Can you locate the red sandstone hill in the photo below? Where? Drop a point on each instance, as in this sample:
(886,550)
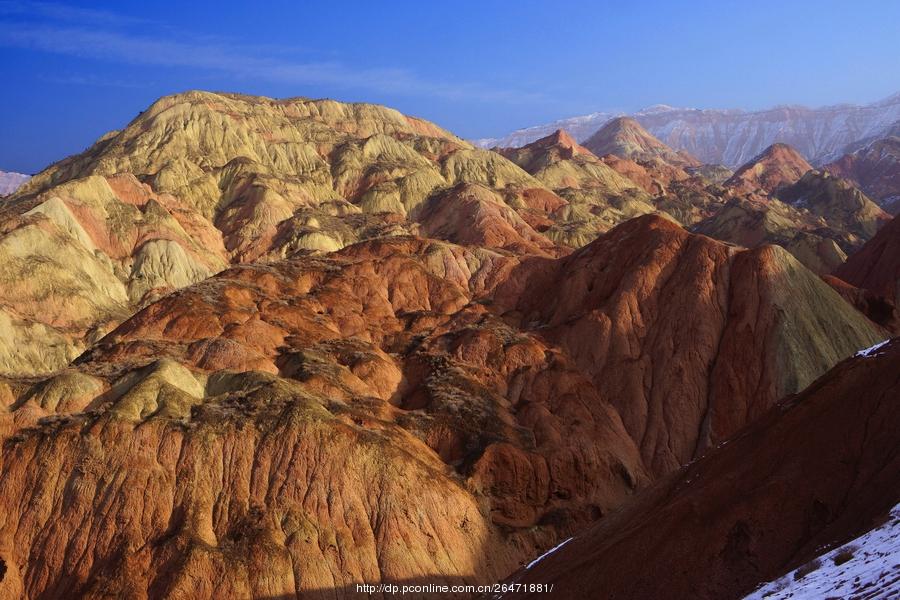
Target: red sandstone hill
(626,138)
(777,166)
(817,470)
(690,339)
(557,146)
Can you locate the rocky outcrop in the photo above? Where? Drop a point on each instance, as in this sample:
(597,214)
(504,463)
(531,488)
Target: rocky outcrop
(79,258)
(597,195)
(825,468)
(840,206)
(203,180)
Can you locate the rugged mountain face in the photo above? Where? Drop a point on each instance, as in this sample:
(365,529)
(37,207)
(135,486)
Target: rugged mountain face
(623,306)
(733,137)
(875,169)
(876,266)
(286,416)
(776,167)
(825,468)
(201,180)
(626,138)
(10,182)
(856,568)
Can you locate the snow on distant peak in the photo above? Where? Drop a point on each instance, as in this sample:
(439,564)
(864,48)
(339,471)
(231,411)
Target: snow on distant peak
(659,108)
(10,182)
(872,350)
(868,567)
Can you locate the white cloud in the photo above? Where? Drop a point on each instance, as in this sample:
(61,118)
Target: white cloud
(100,35)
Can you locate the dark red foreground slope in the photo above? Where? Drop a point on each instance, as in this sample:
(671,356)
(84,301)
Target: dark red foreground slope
(818,469)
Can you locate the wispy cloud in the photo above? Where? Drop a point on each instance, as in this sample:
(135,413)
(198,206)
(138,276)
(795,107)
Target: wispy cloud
(99,35)
(92,81)
(63,12)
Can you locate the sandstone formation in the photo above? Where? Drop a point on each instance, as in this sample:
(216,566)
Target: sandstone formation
(623,306)
(78,258)
(598,195)
(779,199)
(825,468)
(275,348)
(840,206)
(306,425)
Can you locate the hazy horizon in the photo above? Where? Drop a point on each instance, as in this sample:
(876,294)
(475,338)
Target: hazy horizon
(73,73)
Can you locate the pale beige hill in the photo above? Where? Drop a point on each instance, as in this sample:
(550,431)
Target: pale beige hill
(80,257)
(248,164)
(200,180)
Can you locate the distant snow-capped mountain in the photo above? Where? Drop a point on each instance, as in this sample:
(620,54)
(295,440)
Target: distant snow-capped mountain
(10,182)
(733,137)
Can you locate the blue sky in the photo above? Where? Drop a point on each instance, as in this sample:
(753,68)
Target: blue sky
(72,71)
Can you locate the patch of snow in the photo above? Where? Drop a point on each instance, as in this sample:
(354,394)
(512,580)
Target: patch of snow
(872,350)
(868,567)
(548,553)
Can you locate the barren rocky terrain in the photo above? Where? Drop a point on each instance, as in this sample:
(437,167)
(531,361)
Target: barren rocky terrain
(260,348)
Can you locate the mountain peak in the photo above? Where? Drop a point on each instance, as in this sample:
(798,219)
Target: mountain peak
(626,138)
(560,139)
(776,167)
